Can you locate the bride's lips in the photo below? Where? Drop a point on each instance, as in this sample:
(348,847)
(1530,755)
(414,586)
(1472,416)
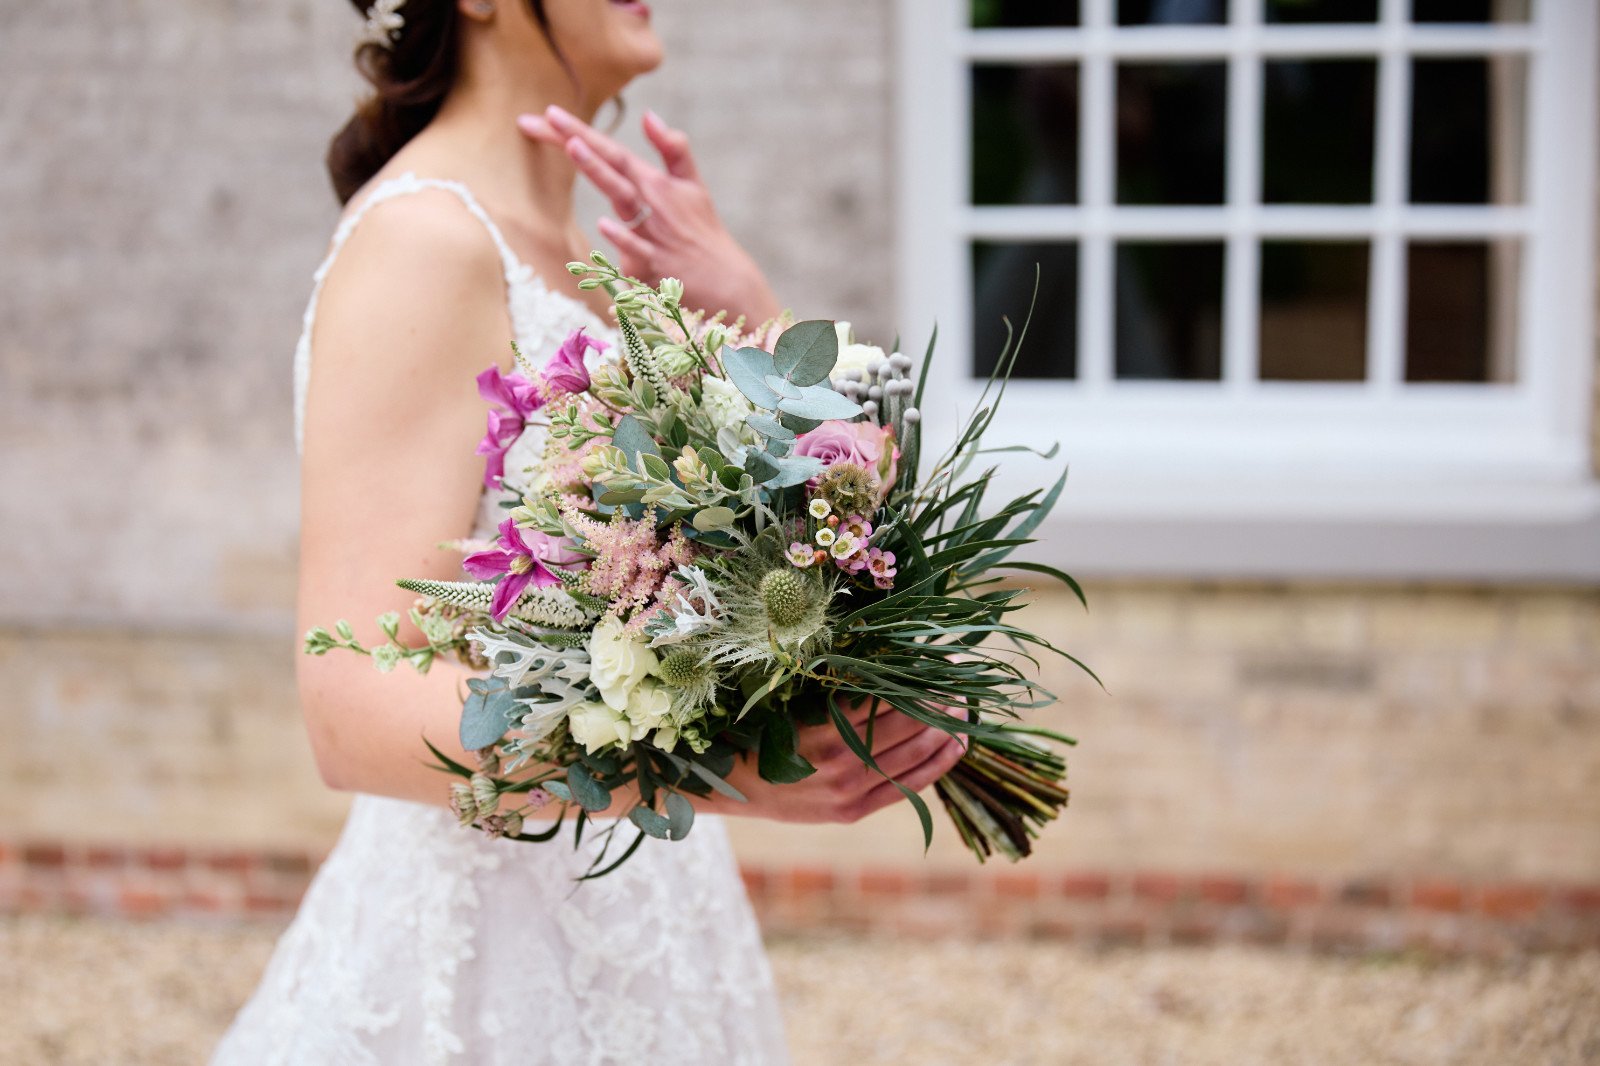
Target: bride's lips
(634,7)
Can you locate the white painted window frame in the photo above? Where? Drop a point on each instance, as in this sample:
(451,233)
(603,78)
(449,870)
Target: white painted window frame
(1249,478)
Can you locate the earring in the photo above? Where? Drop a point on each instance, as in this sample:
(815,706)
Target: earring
(482,8)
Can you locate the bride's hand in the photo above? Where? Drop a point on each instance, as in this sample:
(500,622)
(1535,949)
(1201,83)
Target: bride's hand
(666,224)
(844,789)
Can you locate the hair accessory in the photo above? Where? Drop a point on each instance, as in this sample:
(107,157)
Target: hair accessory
(384,23)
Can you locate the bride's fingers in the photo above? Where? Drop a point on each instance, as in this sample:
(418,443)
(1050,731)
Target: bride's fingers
(911,752)
(627,242)
(673,146)
(619,158)
(623,194)
(919,777)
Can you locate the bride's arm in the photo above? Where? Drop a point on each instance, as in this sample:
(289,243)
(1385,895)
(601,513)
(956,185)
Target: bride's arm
(412,310)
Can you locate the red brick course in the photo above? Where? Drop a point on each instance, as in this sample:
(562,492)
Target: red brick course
(1432,915)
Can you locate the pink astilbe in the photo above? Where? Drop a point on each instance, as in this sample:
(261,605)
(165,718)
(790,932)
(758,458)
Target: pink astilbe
(631,562)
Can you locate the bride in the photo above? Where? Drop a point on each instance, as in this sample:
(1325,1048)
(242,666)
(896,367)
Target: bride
(421,942)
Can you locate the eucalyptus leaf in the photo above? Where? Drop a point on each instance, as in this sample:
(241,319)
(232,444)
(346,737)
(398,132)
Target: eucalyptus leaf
(807,352)
(651,823)
(760,466)
(559,790)
(748,368)
(680,813)
(796,424)
(784,389)
(820,403)
(768,426)
(590,794)
(633,440)
(794,470)
(485,718)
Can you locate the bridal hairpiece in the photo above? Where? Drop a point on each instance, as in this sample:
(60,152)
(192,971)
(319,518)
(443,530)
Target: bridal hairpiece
(384,23)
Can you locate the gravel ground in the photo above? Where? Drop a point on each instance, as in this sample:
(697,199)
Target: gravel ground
(106,992)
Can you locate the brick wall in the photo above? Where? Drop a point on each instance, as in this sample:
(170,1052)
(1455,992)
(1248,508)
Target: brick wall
(1313,765)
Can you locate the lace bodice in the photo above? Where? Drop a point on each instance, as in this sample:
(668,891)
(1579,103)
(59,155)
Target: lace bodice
(421,942)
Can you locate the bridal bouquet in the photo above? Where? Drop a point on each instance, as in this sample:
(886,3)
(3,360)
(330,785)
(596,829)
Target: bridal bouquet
(710,535)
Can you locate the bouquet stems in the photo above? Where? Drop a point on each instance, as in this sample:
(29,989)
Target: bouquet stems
(1003,791)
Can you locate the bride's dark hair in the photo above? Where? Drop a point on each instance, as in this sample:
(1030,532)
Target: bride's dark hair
(409,81)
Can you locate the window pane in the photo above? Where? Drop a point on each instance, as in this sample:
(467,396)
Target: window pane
(1171,140)
(1470,10)
(1322,10)
(1319,131)
(1169,311)
(1025,134)
(1461,311)
(1313,311)
(1171,12)
(1467,130)
(1002,285)
(989,13)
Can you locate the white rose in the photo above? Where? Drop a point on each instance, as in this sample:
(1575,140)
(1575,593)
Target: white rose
(723,401)
(597,727)
(853,356)
(618,661)
(648,708)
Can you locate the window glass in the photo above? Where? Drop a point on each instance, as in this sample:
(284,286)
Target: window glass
(1461,311)
(1313,310)
(1002,286)
(1025,134)
(1171,12)
(996,13)
(1171,132)
(1169,310)
(1471,10)
(1467,130)
(1321,10)
(1318,130)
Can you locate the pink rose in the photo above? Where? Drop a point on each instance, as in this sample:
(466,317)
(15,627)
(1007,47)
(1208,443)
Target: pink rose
(862,443)
(565,371)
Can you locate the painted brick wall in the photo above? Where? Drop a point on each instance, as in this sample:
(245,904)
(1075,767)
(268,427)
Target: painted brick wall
(164,206)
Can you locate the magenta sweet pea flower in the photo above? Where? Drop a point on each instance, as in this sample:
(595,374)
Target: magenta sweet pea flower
(564,372)
(512,398)
(525,557)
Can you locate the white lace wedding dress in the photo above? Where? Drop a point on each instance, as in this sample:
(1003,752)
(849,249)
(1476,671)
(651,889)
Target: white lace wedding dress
(422,942)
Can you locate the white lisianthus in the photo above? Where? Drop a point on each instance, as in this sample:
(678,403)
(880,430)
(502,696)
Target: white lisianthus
(598,727)
(666,738)
(618,661)
(852,356)
(648,708)
(723,401)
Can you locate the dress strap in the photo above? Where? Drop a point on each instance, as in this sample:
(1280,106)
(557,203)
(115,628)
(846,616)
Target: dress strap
(401,185)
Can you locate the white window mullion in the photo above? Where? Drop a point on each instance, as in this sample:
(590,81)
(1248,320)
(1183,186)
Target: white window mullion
(1097,159)
(1386,275)
(1241,293)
